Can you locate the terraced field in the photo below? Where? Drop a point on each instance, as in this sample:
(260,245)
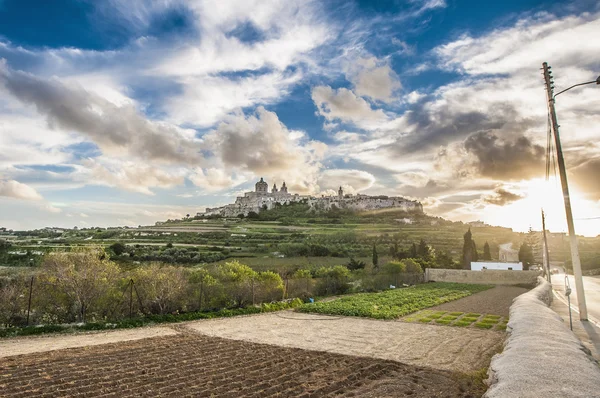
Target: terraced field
(189,364)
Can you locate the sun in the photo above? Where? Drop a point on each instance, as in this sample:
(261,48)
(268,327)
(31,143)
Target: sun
(540,194)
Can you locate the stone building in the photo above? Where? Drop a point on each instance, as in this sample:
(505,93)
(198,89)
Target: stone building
(261,199)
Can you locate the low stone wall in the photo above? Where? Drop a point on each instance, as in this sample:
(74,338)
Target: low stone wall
(492,277)
(541,357)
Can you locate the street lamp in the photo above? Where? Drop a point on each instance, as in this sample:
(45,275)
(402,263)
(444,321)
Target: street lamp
(565,188)
(597,81)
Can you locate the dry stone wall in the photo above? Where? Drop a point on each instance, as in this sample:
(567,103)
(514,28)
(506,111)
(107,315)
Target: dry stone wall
(491,277)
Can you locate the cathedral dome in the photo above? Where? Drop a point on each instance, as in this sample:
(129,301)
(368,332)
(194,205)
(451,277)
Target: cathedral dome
(261,186)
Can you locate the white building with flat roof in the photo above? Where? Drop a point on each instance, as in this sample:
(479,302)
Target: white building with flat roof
(483,265)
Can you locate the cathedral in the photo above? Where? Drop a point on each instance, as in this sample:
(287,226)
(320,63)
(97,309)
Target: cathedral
(261,199)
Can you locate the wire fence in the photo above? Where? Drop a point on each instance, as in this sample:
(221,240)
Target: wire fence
(36,300)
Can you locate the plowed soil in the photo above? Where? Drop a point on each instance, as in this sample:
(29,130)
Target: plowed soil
(495,301)
(194,365)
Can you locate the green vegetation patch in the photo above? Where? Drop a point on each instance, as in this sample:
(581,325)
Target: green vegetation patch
(462,324)
(395,303)
(149,320)
(484,325)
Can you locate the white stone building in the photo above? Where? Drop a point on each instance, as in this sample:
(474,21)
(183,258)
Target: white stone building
(261,199)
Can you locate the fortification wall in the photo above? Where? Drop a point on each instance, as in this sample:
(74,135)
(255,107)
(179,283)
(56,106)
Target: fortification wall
(491,277)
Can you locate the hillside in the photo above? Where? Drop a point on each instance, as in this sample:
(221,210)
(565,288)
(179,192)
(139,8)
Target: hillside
(286,236)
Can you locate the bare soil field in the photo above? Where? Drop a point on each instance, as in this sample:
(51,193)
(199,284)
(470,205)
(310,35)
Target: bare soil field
(192,365)
(495,301)
(34,344)
(439,347)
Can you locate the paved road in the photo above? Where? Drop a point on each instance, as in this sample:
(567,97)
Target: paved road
(591,286)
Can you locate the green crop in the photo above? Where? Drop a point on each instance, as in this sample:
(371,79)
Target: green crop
(395,303)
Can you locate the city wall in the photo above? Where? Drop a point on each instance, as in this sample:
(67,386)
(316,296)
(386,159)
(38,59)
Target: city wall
(492,277)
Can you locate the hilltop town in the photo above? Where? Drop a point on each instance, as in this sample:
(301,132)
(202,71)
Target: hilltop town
(262,199)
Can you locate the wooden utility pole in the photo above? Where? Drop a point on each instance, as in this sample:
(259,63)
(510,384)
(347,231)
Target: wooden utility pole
(546,253)
(565,188)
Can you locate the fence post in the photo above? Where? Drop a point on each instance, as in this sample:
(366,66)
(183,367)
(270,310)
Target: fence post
(285,289)
(29,303)
(201,292)
(130,298)
(253,291)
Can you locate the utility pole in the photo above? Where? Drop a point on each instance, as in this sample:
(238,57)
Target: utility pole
(567,199)
(546,253)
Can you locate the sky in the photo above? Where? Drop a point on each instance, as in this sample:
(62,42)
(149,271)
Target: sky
(127,112)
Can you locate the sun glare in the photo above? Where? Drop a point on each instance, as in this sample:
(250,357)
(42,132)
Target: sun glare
(539,193)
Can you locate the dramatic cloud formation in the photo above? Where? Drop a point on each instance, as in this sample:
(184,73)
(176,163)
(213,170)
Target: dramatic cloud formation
(505,160)
(501,197)
(190,101)
(118,130)
(262,145)
(587,178)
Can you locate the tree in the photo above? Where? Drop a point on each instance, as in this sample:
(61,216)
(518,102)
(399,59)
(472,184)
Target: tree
(269,287)
(474,252)
(423,249)
(487,256)
(526,255)
(204,281)
(444,260)
(411,266)
(394,250)
(238,281)
(412,253)
(86,277)
(467,252)
(353,265)
(333,280)
(162,288)
(169,245)
(375,258)
(118,248)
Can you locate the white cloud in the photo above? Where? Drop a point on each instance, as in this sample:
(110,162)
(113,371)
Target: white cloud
(344,105)
(118,130)
(260,144)
(130,176)
(351,181)
(526,45)
(17,190)
(205,100)
(373,78)
(215,179)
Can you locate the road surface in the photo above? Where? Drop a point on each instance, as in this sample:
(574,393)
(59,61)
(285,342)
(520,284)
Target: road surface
(591,285)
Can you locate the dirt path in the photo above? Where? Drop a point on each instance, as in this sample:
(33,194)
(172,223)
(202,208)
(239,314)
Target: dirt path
(193,365)
(496,301)
(439,347)
(33,344)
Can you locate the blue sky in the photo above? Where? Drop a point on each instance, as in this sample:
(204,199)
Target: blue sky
(128,112)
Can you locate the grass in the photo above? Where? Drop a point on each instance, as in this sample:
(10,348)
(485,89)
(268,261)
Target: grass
(395,303)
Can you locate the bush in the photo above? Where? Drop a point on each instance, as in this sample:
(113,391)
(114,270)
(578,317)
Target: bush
(334,280)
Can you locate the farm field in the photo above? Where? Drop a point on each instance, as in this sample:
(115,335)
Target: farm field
(438,347)
(392,304)
(189,364)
